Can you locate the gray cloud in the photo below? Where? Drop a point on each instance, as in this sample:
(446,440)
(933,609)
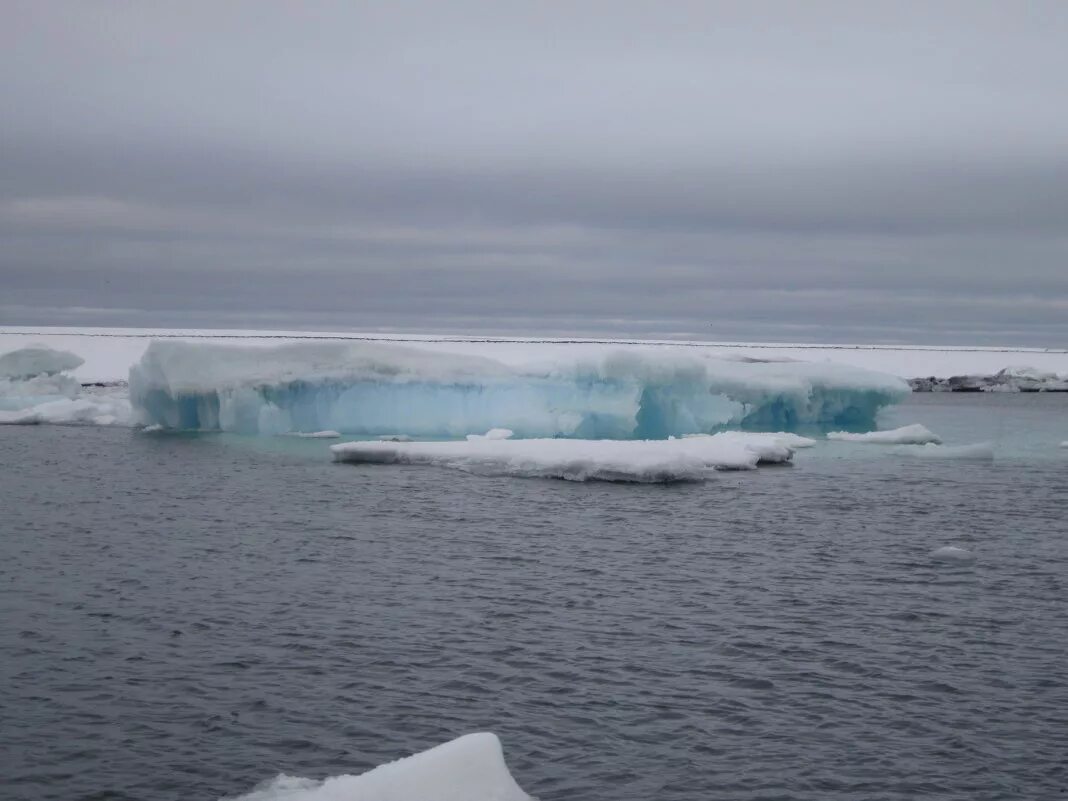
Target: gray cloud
(830,171)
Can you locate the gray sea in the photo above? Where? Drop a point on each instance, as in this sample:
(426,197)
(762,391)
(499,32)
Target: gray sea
(186,616)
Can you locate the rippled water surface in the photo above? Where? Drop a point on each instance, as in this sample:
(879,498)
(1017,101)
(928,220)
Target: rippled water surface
(184,617)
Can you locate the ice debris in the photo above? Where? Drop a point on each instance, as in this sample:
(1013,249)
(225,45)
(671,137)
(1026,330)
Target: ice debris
(951,553)
(914,434)
(469,768)
(980,451)
(369,389)
(642,461)
(328,434)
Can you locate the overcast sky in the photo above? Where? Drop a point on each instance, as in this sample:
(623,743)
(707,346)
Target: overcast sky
(795,171)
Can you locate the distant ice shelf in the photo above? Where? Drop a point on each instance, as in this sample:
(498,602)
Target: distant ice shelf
(370,389)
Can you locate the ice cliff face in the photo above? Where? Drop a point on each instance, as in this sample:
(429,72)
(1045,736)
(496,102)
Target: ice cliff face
(370,388)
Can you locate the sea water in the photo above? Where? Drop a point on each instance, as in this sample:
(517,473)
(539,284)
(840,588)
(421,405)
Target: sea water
(186,616)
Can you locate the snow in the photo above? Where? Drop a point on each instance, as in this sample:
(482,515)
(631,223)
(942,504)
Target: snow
(914,434)
(951,553)
(980,451)
(642,461)
(493,433)
(370,388)
(469,768)
(100,411)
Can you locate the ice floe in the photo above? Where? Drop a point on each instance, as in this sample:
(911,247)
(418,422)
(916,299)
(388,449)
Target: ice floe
(914,434)
(979,451)
(469,768)
(644,461)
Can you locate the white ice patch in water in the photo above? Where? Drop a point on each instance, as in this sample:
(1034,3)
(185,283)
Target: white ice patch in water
(980,451)
(914,434)
(469,768)
(951,553)
(493,433)
(369,389)
(643,461)
(153,429)
(315,434)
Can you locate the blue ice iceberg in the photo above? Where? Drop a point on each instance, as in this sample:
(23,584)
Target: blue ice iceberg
(367,388)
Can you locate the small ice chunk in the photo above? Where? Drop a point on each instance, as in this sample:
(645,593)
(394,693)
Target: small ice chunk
(951,553)
(315,434)
(469,768)
(980,451)
(152,429)
(493,433)
(914,434)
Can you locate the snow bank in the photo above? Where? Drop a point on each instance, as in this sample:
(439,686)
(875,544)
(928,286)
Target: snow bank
(469,768)
(980,451)
(951,553)
(642,461)
(914,434)
(369,388)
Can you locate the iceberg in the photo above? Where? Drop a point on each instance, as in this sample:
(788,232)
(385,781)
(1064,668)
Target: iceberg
(370,389)
(469,768)
(639,461)
(35,388)
(914,434)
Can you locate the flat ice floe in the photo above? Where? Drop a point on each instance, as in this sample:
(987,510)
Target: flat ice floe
(469,768)
(914,434)
(642,461)
(369,389)
(980,451)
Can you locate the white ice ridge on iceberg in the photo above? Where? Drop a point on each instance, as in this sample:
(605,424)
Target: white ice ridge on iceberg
(369,389)
(914,434)
(691,458)
(34,388)
(469,768)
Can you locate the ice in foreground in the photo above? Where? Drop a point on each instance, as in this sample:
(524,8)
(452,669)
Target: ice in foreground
(644,461)
(368,388)
(914,434)
(951,553)
(469,768)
